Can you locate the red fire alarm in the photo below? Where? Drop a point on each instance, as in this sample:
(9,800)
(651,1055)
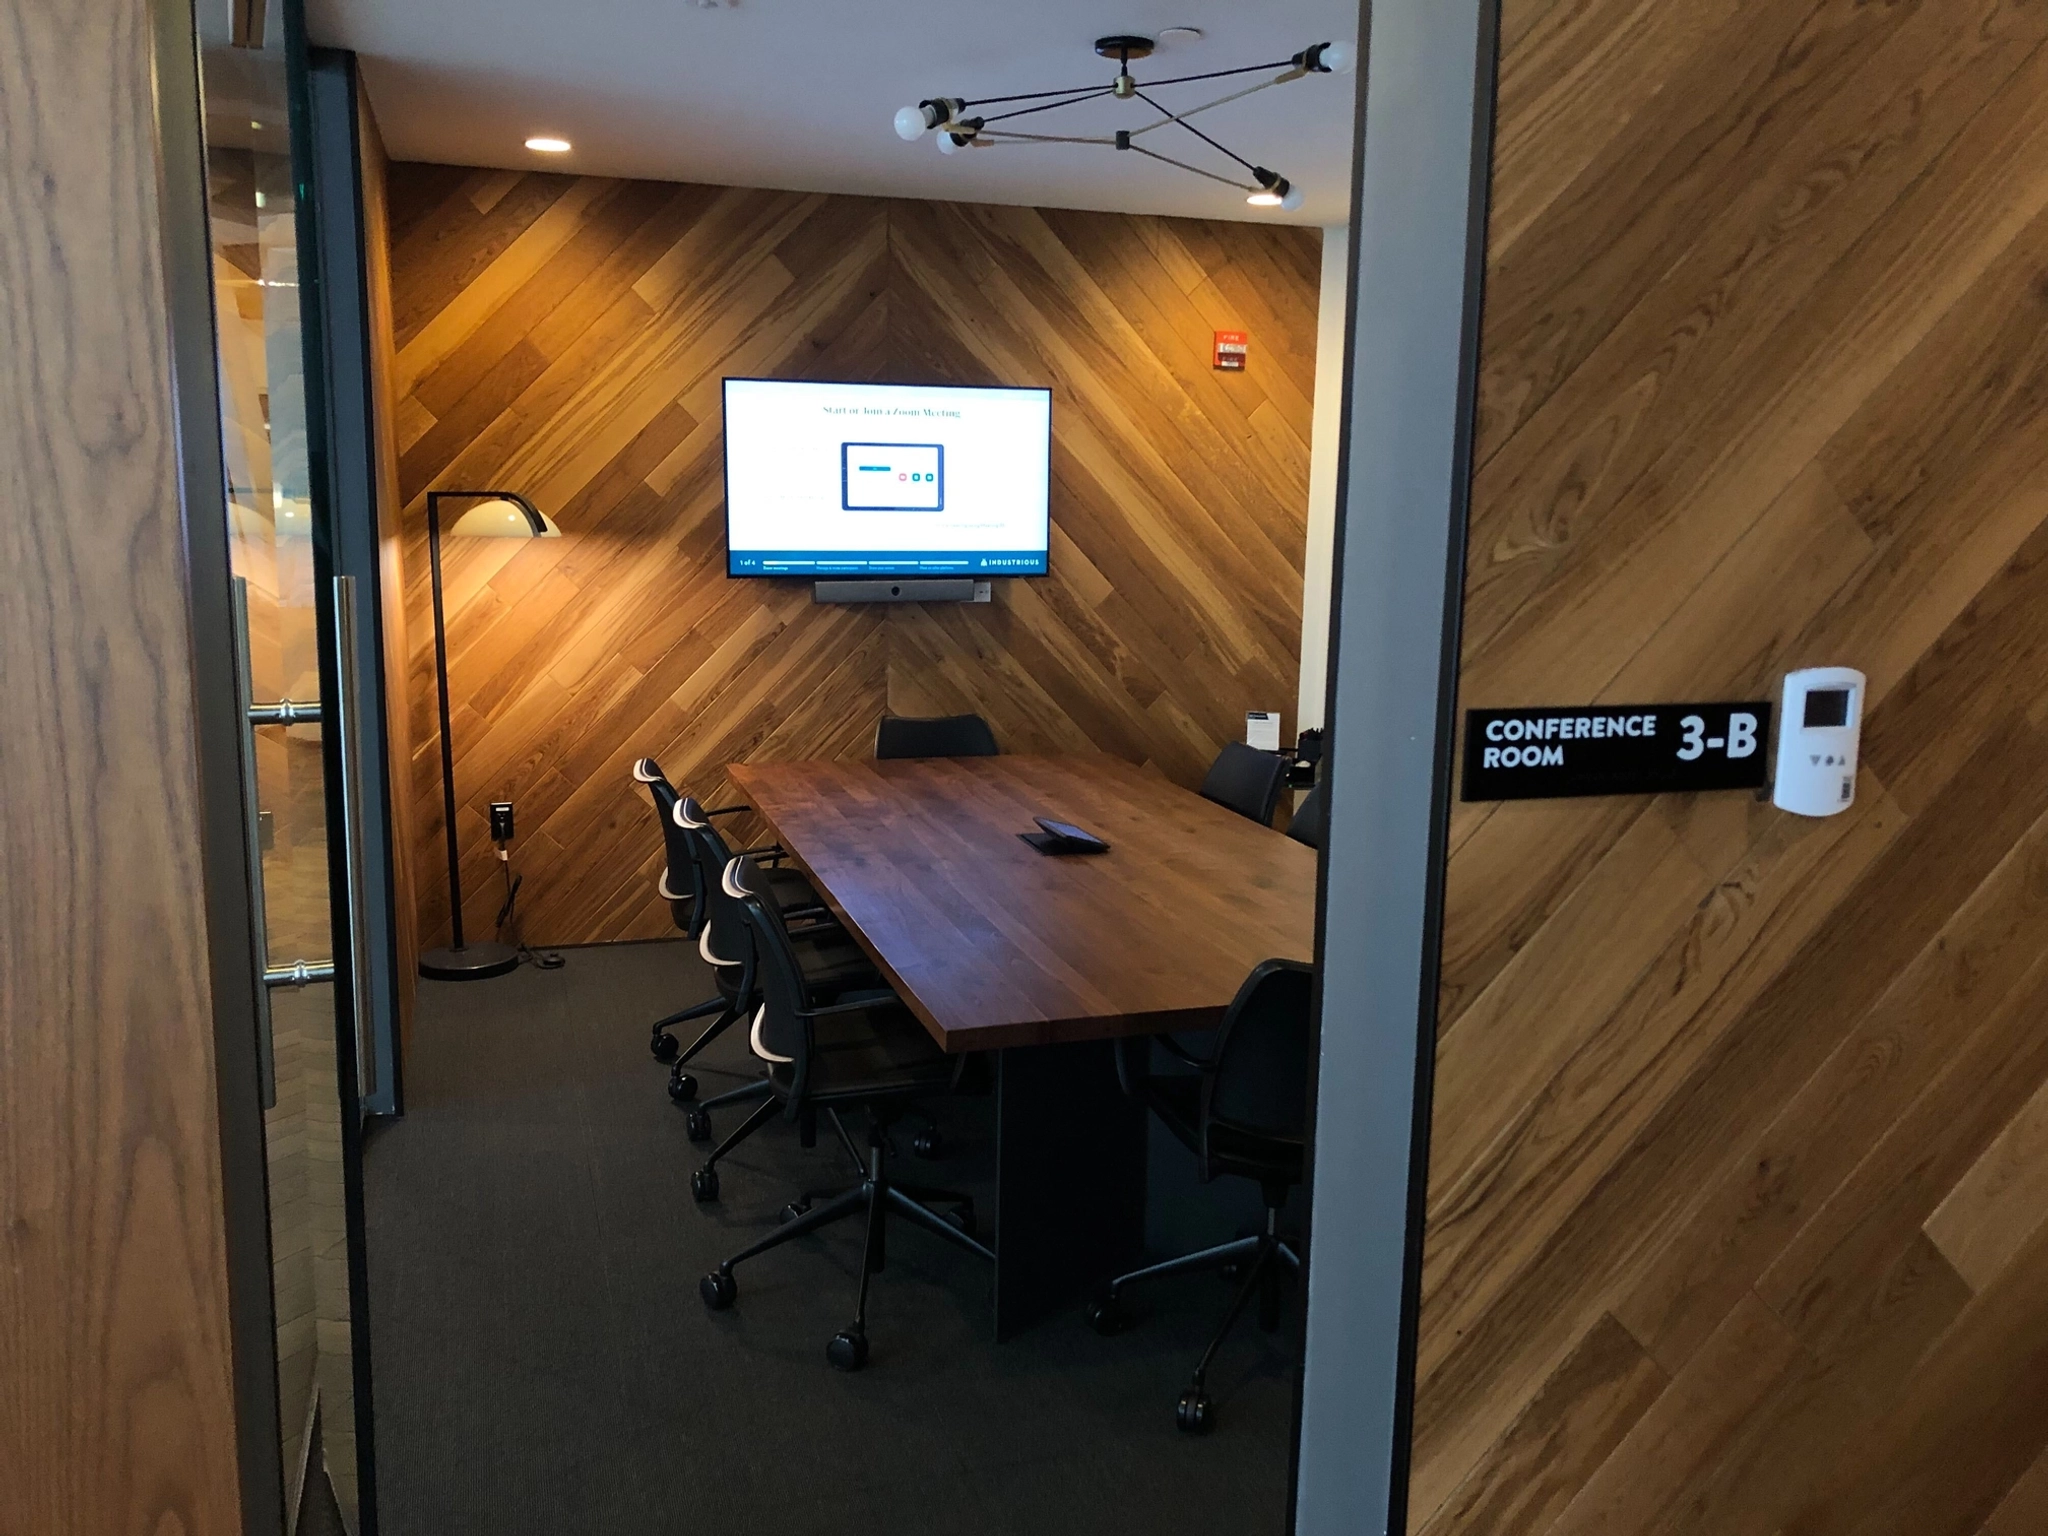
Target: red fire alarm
(1231,347)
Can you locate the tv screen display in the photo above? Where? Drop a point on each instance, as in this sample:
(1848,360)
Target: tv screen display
(850,480)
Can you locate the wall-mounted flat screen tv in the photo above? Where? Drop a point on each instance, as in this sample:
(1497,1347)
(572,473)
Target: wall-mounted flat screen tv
(850,480)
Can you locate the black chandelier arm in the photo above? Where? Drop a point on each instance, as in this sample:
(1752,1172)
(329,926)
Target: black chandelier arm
(1081,92)
(1181,117)
(1223,74)
(1047,106)
(1075,91)
(1183,165)
(1191,128)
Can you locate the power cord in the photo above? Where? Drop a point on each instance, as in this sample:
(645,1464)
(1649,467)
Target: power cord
(508,917)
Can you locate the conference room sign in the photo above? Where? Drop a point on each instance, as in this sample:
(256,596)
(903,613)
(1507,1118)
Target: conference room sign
(1614,749)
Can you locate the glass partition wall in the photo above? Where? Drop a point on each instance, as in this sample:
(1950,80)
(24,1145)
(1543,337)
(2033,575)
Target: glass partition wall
(286,618)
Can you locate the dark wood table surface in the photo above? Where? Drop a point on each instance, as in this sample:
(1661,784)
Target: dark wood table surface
(994,944)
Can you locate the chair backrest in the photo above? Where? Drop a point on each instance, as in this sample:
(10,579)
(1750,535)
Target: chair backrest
(1258,1082)
(780,1034)
(1307,824)
(723,938)
(681,883)
(1246,780)
(935,736)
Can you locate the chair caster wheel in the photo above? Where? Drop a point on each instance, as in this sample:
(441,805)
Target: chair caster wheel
(1196,1414)
(665,1047)
(681,1086)
(697,1124)
(791,1211)
(704,1185)
(718,1289)
(848,1350)
(1108,1317)
(961,1217)
(928,1144)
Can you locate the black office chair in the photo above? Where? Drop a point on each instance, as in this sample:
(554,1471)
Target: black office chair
(1246,780)
(1243,1111)
(858,1049)
(725,942)
(1306,826)
(679,885)
(936,736)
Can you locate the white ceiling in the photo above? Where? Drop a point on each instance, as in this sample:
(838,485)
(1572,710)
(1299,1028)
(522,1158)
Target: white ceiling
(799,93)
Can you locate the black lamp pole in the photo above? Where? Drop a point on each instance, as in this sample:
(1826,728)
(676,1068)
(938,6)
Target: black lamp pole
(460,961)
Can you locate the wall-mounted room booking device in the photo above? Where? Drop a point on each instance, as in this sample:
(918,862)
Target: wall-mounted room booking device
(1818,736)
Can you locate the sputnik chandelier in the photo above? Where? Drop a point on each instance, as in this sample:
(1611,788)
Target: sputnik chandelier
(956,130)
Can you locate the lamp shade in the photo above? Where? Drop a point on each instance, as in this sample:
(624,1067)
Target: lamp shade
(503,518)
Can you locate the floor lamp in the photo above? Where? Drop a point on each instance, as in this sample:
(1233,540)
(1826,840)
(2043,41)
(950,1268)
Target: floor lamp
(496,515)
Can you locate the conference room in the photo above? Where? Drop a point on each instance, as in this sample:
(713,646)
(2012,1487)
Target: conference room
(800,768)
(842,610)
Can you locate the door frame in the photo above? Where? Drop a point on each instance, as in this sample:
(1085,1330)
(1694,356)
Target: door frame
(1421,181)
(224,831)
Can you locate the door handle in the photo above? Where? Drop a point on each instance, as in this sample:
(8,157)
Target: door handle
(348,728)
(259,925)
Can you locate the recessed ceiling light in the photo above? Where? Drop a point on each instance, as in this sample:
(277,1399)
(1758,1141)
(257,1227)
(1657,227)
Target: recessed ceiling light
(548,146)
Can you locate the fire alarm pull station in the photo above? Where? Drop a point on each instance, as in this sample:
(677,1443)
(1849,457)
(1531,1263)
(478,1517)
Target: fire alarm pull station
(1820,730)
(1232,347)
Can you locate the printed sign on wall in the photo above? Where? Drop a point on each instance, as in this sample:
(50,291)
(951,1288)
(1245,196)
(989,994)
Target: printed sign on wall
(1614,749)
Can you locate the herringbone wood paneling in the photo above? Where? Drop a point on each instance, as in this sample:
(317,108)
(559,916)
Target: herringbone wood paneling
(566,338)
(1741,1128)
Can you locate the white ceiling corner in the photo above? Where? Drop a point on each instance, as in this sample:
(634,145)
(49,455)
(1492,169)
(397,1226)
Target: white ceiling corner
(799,94)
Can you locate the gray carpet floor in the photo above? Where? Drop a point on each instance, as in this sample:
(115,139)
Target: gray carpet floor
(543,1363)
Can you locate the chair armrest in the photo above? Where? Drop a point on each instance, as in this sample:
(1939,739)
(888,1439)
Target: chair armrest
(729,810)
(765,851)
(865,1005)
(815,909)
(1174,1048)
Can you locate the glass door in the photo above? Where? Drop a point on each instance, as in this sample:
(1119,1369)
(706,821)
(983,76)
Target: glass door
(293,623)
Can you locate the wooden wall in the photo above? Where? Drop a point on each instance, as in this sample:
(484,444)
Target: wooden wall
(1741,1137)
(566,338)
(116,1389)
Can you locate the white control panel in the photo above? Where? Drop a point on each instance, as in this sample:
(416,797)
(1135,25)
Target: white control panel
(1820,728)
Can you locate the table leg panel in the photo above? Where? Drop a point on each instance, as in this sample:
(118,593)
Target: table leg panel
(1070,1179)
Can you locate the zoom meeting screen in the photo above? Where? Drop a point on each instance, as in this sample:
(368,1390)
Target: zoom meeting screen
(886,479)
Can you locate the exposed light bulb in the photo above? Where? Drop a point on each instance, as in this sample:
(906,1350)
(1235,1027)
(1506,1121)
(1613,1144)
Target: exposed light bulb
(911,122)
(1272,190)
(1293,198)
(1340,58)
(957,132)
(548,146)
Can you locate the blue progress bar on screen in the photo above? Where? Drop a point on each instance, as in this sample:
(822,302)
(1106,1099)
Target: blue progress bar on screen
(885,562)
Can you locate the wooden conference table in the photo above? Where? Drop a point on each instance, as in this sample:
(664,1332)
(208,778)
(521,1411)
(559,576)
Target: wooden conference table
(1046,960)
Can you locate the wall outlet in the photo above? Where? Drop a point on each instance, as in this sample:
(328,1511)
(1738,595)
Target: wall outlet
(501,821)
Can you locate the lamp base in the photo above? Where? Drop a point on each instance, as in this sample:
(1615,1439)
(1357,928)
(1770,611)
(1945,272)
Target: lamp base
(472,962)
